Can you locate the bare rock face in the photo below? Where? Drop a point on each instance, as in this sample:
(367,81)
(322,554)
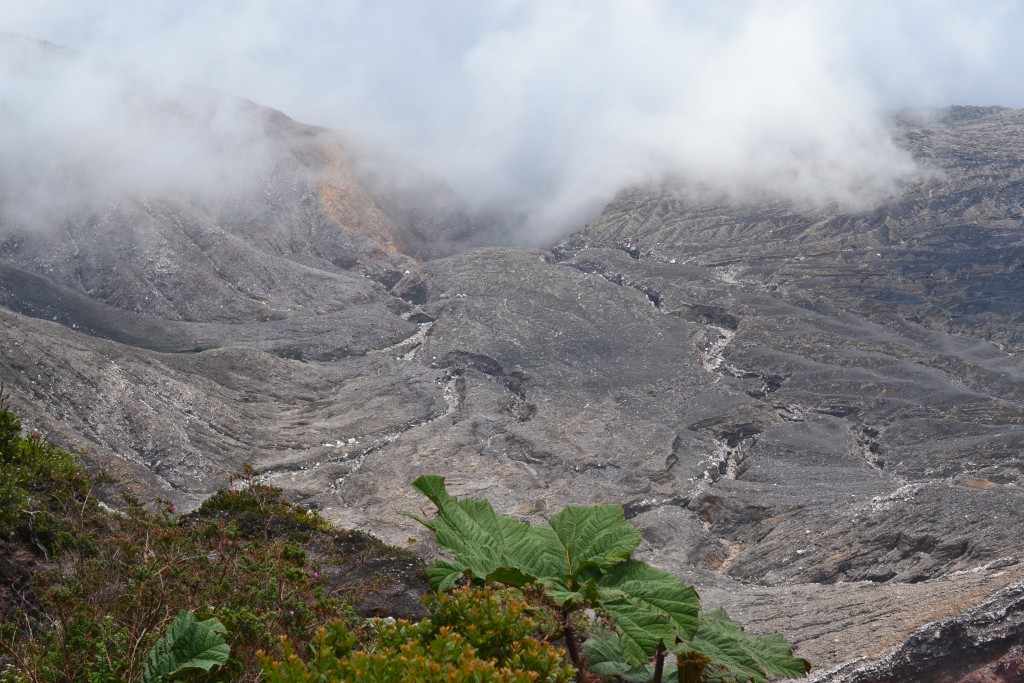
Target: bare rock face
(814,415)
(1007,669)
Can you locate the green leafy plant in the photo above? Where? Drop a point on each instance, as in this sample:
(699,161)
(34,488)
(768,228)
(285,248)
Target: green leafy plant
(189,644)
(720,648)
(582,558)
(116,579)
(472,636)
(30,469)
(10,425)
(92,589)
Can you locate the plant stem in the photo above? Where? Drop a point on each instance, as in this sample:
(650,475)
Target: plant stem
(659,663)
(25,668)
(572,646)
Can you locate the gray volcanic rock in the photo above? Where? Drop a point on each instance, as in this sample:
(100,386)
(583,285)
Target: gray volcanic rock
(302,238)
(180,423)
(816,415)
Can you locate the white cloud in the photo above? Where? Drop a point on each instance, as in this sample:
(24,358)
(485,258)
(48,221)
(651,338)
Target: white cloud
(75,133)
(550,106)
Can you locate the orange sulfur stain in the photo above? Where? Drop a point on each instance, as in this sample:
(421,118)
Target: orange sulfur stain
(345,201)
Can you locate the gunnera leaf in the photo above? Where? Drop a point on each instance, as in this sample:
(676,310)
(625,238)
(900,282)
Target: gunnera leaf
(482,541)
(188,644)
(648,606)
(604,654)
(592,537)
(491,546)
(746,657)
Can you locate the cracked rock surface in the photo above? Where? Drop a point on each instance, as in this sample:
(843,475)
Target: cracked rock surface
(814,415)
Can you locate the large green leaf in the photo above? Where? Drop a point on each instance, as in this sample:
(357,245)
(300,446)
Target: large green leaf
(188,644)
(580,558)
(604,654)
(747,657)
(443,574)
(592,537)
(491,546)
(482,541)
(649,606)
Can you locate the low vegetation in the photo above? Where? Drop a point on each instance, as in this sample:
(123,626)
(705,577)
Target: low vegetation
(88,592)
(472,636)
(251,587)
(582,559)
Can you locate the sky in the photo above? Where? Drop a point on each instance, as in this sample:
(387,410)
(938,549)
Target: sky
(548,107)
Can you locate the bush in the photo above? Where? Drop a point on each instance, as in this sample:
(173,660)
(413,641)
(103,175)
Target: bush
(472,636)
(37,480)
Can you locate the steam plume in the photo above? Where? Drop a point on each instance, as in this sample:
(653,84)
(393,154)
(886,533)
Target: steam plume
(545,108)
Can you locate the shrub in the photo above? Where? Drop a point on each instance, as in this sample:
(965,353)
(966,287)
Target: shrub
(37,480)
(472,636)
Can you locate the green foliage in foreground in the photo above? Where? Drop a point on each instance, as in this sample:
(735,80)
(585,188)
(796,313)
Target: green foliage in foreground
(472,636)
(730,654)
(188,644)
(139,595)
(582,559)
(29,469)
(94,590)
(96,593)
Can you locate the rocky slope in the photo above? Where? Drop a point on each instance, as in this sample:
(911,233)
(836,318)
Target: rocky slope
(814,415)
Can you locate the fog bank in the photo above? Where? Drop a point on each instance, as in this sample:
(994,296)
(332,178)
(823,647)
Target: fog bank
(544,108)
